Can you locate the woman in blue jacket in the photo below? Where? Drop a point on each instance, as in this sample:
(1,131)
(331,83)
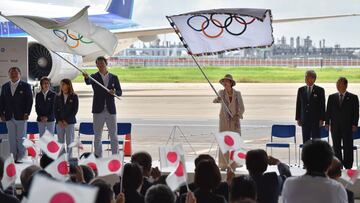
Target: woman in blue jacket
(66,106)
(44,106)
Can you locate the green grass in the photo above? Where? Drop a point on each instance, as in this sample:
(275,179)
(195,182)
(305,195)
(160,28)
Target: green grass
(241,74)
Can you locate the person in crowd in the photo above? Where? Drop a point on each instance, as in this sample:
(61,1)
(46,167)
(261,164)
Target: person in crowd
(88,173)
(342,116)
(222,189)
(242,188)
(25,177)
(132,180)
(66,107)
(159,194)
(15,107)
(103,106)
(268,184)
(44,106)
(314,186)
(5,197)
(310,107)
(207,179)
(151,175)
(334,172)
(230,99)
(105,194)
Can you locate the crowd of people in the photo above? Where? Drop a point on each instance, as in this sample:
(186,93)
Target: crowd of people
(142,183)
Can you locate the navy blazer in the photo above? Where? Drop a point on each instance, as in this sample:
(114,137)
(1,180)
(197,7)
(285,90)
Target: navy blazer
(344,116)
(16,105)
(66,111)
(101,96)
(310,111)
(45,107)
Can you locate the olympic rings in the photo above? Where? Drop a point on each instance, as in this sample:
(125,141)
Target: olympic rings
(225,25)
(65,36)
(212,36)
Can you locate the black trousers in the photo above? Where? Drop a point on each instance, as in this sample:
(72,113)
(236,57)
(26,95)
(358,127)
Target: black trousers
(343,137)
(310,131)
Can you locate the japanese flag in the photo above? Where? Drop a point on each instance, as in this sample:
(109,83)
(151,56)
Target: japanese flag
(31,148)
(59,168)
(178,177)
(350,175)
(170,156)
(229,141)
(110,165)
(9,175)
(49,145)
(90,161)
(46,190)
(238,156)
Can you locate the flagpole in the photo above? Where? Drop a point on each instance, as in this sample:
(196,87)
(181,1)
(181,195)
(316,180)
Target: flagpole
(211,85)
(83,72)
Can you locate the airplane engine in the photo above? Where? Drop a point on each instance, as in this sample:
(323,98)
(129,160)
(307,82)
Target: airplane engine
(44,63)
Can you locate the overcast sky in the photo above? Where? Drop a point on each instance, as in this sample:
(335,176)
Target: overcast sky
(345,31)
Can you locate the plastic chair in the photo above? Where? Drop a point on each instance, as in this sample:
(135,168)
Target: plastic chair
(356,136)
(86,128)
(281,132)
(3,129)
(324,134)
(123,130)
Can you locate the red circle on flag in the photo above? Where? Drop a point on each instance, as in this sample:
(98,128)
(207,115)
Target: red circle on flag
(52,147)
(114,165)
(180,170)
(229,140)
(31,152)
(351,172)
(242,155)
(92,165)
(63,168)
(172,156)
(62,197)
(11,170)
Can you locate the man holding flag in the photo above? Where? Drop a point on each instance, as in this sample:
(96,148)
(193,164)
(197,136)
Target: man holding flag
(103,107)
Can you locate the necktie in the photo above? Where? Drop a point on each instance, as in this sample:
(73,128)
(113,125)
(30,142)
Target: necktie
(341,99)
(308,92)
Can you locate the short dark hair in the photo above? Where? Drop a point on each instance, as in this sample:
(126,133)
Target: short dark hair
(88,173)
(317,156)
(14,68)
(242,187)
(42,80)
(26,174)
(45,160)
(203,157)
(311,73)
(132,176)
(343,80)
(256,161)
(101,58)
(207,175)
(143,159)
(159,194)
(105,194)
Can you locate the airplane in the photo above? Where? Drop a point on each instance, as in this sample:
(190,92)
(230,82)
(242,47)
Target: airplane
(117,17)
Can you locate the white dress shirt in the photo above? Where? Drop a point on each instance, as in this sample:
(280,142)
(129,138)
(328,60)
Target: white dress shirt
(65,98)
(105,78)
(45,93)
(13,86)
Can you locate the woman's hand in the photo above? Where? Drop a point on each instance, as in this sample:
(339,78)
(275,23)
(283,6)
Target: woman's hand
(120,198)
(190,198)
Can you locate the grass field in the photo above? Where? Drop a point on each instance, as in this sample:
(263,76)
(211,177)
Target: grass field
(242,74)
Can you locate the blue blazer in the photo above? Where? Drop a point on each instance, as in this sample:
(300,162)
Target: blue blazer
(16,105)
(45,107)
(66,111)
(101,96)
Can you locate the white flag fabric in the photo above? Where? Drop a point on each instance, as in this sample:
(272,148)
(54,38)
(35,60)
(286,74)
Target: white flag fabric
(77,35)
(170,156)
(59,168)
(49,145)
(219,30)
(31,148)
(46,190)
(178,177)
(228,140)
(110,165)
(238,156)
(9,175)
(90,161)
(350,175)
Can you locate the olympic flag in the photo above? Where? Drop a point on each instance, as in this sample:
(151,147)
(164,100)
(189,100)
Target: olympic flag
(216,31)
(77,35)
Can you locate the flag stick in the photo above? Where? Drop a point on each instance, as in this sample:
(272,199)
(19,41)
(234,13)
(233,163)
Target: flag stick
(83,72)
(211,85)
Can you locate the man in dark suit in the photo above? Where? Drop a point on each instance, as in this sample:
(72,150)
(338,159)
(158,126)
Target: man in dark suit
(103,107)
(342,116)
(310,107)
(15,106)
